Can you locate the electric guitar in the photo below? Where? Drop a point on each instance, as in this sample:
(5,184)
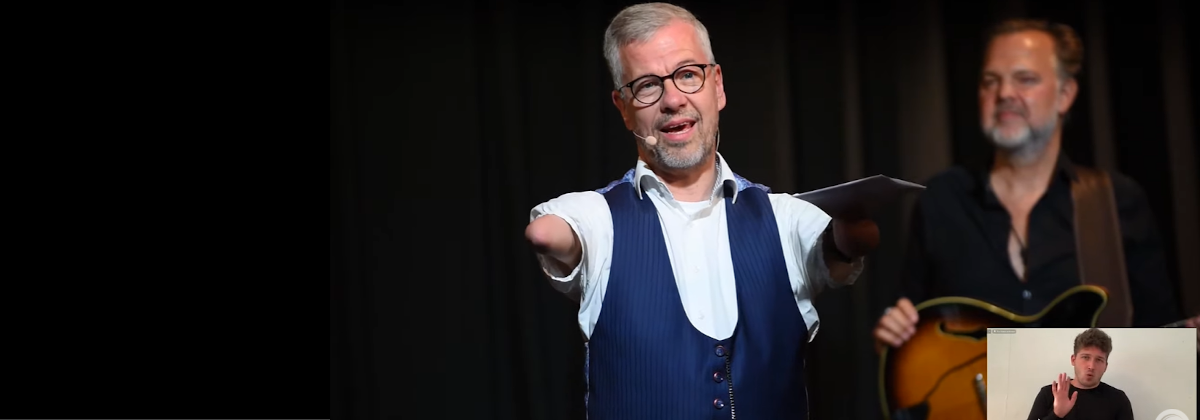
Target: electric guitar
(941,372)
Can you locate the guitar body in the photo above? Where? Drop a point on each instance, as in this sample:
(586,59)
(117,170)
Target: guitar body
(941,371)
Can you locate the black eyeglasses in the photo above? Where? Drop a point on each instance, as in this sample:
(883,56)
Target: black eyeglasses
(649,89)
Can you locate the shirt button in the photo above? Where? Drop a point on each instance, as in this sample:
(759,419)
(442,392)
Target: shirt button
(718,404)
(695,269)
(1027,295)
(702,315)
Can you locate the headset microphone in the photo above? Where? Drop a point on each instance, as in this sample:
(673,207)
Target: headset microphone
(650,140)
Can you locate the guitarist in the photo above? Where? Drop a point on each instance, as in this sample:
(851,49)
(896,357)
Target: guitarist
(1004,233)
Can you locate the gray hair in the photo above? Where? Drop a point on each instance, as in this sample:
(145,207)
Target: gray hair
(638,23)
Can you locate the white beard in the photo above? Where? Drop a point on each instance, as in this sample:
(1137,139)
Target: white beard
(685,156)
(1026,144)
(1012,140)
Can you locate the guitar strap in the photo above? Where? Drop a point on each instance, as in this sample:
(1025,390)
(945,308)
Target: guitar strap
(1098,244)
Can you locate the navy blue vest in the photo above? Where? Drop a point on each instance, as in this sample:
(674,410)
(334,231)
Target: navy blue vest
(645,358)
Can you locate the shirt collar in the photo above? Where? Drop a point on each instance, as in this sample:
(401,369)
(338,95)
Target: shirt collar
(1064,169)
(644,178)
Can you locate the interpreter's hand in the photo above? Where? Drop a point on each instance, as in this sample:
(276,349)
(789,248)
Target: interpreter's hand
(898,324)
(1195,323)
(855,236)
(1062,404)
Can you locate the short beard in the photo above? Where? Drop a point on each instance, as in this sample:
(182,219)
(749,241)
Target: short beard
(679,157)
(1025,147)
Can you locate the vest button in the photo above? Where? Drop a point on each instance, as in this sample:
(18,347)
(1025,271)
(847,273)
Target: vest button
(718,377)
(1026,294)
(721,351)
(718,404)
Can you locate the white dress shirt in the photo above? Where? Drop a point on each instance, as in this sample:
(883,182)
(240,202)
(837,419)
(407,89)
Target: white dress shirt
(696,235)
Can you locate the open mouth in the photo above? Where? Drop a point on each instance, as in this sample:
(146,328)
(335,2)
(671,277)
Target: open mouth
(678,130)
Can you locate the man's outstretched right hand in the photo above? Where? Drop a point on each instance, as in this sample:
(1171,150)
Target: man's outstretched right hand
(551,236)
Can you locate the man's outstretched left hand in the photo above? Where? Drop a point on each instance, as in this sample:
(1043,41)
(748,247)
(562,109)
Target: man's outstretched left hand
(852,239)
(855,236)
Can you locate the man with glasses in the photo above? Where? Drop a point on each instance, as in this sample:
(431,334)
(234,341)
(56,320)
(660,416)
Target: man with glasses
(705,278)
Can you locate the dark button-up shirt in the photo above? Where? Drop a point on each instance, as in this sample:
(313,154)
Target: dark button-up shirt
(959,246)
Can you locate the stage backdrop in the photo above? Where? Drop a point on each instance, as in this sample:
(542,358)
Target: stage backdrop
(451,119)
